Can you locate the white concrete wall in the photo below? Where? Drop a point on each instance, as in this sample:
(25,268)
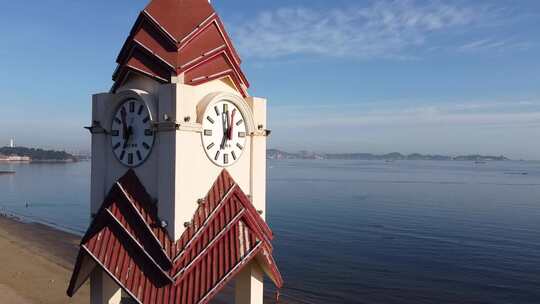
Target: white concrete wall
(258,154)
(106,169)
(249,285)
(103,290)
(195,172)
(97,179)
(166,166)
(178,172)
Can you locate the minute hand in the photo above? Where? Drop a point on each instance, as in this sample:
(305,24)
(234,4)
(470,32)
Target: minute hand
(231,125)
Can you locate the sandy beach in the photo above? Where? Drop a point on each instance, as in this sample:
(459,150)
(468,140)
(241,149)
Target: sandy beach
(36,263)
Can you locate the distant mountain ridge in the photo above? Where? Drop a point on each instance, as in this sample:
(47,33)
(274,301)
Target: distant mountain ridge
(278,154)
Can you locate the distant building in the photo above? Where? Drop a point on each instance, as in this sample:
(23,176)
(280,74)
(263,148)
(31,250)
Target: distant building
(12,143)
(15,158)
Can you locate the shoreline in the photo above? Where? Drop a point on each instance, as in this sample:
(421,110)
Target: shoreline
(37,261)
(27,219)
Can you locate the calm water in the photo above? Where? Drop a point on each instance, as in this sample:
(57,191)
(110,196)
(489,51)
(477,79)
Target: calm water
(365,232)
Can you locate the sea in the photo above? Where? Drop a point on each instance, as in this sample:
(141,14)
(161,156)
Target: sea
(362,231)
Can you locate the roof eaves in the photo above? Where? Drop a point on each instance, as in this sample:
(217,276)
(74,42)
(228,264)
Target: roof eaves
(216,239)
(73,286)
(150,51)
(265,257)
(252,212)
(201,27)
(160,27)
(113,277)
(224,33)
(143,221)
(235,71)
(222,283)
(205,224)
(119,225)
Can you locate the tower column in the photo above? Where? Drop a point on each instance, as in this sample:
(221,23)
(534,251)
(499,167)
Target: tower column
(103,290)
(249,285)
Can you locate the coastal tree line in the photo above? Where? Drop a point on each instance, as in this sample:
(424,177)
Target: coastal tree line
(38,154)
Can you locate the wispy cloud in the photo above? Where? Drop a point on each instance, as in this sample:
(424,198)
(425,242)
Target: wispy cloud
(382,29)
(493,45)
(470,115)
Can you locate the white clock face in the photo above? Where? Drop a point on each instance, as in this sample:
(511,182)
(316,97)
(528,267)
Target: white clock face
(224,133)
(132,136)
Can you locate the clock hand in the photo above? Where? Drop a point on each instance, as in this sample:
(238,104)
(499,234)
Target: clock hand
(231,125)
(125,129)
(224,122)
(129,133)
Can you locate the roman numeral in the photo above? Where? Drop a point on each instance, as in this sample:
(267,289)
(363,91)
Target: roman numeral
(217,155)
(233,155)
(210,146)
(116,146)
(130,158)
(146,119)
(148,132)
(225,158)
(146,146)
(225,107)
(141,108)
(210,119)
(241,121)
(122,155)
(118,121)
(139,156)
(207,132)
(132,107)
(217,110)
(115,133)
(241,134)
(240,146)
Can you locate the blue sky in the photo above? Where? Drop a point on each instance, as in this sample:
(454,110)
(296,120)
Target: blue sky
(372,76)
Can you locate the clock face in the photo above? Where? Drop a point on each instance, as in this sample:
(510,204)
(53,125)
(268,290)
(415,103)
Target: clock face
(132,136)
(224,133)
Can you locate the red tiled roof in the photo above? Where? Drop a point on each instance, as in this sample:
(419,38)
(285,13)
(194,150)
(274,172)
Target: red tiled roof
(178,36)
(126,240)
(179,17)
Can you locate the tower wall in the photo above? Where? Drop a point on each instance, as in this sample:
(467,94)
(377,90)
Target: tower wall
(178,173)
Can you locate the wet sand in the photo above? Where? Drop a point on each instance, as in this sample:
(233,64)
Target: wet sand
(36,263)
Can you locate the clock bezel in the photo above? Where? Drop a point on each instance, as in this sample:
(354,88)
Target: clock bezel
(131,95)
(207,105)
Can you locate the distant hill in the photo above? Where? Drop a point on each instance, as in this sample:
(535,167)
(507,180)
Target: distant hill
(39,155)
(278,154)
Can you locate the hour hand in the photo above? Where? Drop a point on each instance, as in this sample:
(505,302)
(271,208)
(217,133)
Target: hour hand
(224,118)
(125,129)
(127,137)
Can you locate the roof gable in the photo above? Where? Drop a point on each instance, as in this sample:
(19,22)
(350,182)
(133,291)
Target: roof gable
(127,242)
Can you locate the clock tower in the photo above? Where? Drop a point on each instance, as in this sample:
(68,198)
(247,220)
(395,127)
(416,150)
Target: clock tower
(178,185)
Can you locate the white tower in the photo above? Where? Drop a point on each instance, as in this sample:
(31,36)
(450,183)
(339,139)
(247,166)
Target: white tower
(178,182)
(12,143)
